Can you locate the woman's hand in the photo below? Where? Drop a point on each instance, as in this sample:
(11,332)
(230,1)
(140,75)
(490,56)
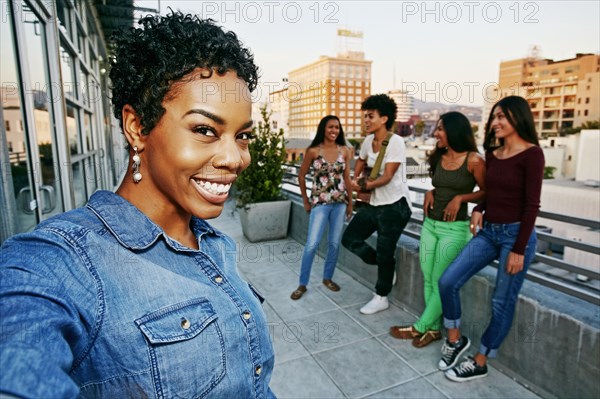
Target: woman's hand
(514,263)
(476,223)
(428,203)
(307,206)
(452,209)
(349,209)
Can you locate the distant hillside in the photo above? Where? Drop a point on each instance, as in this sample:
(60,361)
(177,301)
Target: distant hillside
(423,106)
(434,108)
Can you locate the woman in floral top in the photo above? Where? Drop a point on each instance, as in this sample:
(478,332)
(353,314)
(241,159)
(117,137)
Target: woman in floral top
(329,199)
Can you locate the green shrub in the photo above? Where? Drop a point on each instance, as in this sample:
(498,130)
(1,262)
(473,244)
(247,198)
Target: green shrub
(261,181)
(549,172)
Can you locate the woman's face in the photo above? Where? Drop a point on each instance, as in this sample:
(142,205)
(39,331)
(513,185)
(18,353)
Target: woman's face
(332,130)
(501,126)
(440,135)
(374,121)
(199,146)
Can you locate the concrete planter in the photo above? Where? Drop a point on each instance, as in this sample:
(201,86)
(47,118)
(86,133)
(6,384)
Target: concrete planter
(265,220)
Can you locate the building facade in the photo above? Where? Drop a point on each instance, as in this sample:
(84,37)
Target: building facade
(562,94)
(58,139)
(405,103)
(279,105)
(330,85)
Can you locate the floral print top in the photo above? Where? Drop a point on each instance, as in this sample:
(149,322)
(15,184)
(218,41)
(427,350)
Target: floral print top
(328,180)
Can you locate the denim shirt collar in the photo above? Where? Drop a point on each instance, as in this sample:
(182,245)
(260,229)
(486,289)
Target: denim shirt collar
(132,228)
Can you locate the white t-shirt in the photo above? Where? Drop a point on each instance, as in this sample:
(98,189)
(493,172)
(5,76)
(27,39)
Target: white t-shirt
(395,153)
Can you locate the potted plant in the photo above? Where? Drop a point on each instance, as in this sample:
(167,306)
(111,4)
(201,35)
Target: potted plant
(264,212)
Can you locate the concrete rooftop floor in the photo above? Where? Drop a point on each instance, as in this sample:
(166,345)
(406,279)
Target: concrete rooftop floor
(324,348)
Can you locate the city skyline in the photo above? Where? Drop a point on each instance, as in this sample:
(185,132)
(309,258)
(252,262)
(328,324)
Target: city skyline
(446,52)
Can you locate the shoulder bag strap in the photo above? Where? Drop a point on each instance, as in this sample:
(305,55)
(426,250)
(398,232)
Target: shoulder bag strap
(379,160)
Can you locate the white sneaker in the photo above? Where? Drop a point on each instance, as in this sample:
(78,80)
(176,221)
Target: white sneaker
(377,304)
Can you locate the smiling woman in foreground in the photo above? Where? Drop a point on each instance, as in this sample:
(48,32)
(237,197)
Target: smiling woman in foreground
(136,295)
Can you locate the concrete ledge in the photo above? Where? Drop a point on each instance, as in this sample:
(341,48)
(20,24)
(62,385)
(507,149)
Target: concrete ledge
(554,343)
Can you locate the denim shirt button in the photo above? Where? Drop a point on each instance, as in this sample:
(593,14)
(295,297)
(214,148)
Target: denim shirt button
(246,315)
(185,324)
(218,279)
(258,370)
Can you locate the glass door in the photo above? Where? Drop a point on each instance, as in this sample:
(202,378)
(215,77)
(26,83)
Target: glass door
(18,192)
(32,191)
(42,134)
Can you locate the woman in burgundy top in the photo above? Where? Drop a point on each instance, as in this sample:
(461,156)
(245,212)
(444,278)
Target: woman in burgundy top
(503,229)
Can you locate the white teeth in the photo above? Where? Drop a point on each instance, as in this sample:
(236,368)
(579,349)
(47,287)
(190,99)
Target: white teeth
(214,188)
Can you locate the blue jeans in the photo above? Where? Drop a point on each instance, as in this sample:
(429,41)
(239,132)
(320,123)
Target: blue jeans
(494,241)
(320,216)
(388,221)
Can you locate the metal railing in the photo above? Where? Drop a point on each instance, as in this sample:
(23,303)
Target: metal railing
(543,268)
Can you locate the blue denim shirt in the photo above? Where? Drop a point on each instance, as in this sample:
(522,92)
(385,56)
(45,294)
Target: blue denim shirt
(100,302)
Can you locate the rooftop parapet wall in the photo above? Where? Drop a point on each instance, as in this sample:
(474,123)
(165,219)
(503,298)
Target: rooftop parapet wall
(553,346)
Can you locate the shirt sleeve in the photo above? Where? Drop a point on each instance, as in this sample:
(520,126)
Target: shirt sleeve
(40,331)
(396,150)
(481,206)
(364,148)
(534,174)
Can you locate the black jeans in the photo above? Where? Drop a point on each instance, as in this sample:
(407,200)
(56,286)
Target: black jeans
(388,221)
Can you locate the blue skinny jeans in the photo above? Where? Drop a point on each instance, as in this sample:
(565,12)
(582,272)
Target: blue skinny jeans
(494,241)
(321,216)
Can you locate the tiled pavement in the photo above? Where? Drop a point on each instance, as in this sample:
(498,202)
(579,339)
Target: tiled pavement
(324,348)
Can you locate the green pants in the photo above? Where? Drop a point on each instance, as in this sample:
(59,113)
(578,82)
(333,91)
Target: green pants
(440,243)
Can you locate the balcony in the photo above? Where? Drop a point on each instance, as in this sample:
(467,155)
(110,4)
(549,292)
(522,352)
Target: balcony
(325,348)
(549,115)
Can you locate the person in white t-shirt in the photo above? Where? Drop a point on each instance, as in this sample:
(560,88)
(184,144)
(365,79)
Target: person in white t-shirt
(388,211)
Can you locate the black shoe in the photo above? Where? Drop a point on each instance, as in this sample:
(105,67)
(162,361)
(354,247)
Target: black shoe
(452,352)
(467,370)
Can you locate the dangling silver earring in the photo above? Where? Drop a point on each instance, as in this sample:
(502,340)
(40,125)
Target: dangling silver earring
(135,166)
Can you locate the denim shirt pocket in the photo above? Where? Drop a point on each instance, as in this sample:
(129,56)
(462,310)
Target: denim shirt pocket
(186,348)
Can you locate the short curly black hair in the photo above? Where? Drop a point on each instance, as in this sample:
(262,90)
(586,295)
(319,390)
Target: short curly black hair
(384,104)
(148,61)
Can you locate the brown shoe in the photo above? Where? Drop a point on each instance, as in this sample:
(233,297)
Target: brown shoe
(331,285)
(427,338)
(404,332)
(298,293)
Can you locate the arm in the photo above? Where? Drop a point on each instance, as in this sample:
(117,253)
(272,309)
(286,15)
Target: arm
(534,175)
(348,182)
(478,171)
(428,202)
(358,168)
(41,331)
(476,166)
(533,189)
(480,208)
(476,222)
(304,168)
(388,173)
(361,162)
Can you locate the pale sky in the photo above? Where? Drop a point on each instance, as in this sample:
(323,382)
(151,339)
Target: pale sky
(437,50)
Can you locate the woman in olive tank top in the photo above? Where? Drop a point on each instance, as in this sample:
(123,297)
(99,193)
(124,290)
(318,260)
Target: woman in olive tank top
(455,168)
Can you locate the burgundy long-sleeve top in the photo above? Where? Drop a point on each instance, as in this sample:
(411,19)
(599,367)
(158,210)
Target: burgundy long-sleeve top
(513,189)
